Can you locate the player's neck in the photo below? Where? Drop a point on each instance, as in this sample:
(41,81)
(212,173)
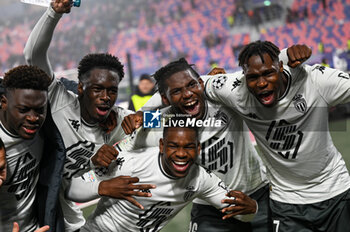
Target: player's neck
(284,84)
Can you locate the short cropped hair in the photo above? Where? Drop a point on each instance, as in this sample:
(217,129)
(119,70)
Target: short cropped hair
(258,48)
(176,124)
(168,70)
(99,60)
(26,77)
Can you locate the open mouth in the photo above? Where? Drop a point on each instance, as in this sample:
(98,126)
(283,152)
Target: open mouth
(266,97)
(181,166)
(102,110)
(30,129)
(192,107)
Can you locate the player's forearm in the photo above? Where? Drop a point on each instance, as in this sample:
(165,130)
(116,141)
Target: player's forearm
(35,51)
(82,191)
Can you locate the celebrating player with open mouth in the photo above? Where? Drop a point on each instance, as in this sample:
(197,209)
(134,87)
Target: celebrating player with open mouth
(178,179)
(287,111)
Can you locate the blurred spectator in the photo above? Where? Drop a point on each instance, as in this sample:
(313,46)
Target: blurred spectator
(324,62)
(212,40)
(213,64)
(230,20)
(321,47)
(339,61)
(144,91)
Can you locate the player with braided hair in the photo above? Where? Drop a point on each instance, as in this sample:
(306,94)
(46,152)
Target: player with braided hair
(287,111)
(226,150)
(23,111)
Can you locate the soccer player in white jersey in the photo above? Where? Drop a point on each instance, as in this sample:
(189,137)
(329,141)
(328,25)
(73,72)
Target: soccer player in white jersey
(287,111)
(23,111)
(226,150)
(178,179)
(87,121)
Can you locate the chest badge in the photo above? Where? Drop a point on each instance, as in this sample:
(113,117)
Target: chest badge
(299,103)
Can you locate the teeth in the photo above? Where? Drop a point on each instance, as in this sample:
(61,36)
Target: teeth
(190,103)
(180,163)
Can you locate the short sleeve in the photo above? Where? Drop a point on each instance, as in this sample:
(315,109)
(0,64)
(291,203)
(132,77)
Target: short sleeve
(59,96)
(222,88)
(332,84)
(213,190)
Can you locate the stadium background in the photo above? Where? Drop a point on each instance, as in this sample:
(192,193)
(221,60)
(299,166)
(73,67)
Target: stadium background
(146,34)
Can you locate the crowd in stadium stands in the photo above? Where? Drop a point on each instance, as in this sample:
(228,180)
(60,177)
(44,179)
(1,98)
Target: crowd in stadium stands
(156,31)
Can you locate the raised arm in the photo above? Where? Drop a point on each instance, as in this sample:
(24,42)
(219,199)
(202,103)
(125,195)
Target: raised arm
(35,51)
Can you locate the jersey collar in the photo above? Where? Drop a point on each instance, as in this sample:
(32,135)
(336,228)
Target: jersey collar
(2,127)
(88,124)
(287,74)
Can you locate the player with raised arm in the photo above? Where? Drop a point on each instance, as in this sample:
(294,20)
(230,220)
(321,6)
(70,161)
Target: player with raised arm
(179,180)
(86,121)
(287,111)
(226,150)
(23,111)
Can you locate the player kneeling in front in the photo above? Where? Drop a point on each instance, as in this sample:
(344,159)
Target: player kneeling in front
(178,179)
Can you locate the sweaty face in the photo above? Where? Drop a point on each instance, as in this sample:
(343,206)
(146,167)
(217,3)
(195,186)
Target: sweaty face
(265,80)
(180,148)
(98,95)
(24,111)
(185,93)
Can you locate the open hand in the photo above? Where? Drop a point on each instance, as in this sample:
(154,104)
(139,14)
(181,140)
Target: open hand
(123,187)
(240,204)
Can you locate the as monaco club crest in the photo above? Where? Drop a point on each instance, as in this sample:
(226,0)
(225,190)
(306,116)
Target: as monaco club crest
(299,103)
